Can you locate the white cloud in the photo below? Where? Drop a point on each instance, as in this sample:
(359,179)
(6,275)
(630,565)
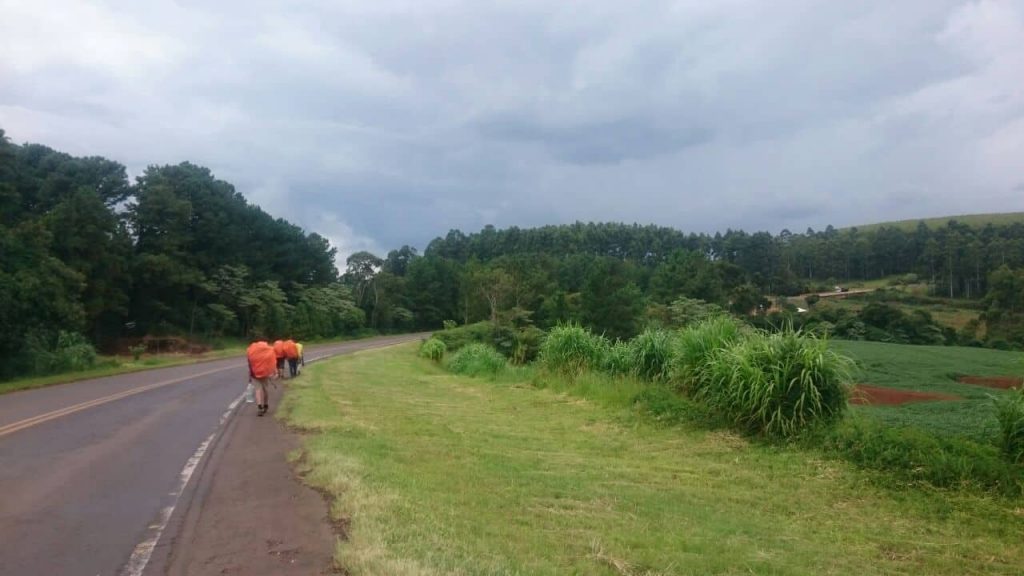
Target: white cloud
(344,239)
(54,33)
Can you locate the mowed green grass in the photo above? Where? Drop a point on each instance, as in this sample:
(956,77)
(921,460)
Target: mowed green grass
(433,473)
(934,369)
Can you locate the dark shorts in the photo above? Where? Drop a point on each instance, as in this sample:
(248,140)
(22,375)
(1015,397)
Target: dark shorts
(280,363)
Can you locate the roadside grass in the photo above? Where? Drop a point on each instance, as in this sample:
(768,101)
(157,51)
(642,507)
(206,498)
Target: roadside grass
(526,473)
(934,369)
(114,365)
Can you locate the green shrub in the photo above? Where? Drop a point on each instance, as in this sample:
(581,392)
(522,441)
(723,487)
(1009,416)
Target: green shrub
(913,455)
(696,344)
(527,344)
(777,384)
(74,352)
(433,349)
(456,338)
(651,354)
(137,350)
(71,352)
(618,359)
(1010,413)
(571,349)
(476,360)
(518,344)
(449,324)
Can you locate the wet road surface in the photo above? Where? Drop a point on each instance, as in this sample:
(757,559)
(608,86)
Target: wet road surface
(89,470)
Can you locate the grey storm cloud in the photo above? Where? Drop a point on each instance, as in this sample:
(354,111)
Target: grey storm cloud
(598,142)
(390,122)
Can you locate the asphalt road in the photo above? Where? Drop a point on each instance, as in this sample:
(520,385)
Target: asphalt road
(90,471)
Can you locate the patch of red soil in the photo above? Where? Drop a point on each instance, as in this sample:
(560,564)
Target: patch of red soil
(1001,382)
(882,396)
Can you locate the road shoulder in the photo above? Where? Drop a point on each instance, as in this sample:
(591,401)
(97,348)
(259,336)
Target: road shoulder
(249,513)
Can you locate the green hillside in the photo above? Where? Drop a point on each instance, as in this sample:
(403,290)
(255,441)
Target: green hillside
(974,220)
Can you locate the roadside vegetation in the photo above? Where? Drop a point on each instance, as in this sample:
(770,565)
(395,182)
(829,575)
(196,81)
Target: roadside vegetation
(580,467)
(794,386)
(88,254)
(103,366)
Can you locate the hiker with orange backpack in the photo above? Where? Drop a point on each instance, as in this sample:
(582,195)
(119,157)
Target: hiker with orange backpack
(262,367)
(279,352)
(291,353)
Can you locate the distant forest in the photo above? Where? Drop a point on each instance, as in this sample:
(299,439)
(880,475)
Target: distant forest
(87,256)
(619,278)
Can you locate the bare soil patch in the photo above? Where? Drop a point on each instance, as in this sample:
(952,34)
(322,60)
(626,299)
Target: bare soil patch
(866,394)
(1000,382)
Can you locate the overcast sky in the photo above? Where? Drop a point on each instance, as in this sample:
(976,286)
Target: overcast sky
(384,122)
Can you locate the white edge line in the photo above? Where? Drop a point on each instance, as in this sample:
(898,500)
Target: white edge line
(144,550)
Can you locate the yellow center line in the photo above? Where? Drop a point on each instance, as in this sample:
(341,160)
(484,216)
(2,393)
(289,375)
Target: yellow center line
(33,421)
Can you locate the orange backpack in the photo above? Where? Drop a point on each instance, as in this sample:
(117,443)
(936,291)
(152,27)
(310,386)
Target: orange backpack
(262,360)
(291,351)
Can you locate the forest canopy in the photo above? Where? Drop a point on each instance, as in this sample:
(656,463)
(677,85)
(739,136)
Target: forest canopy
(177,252)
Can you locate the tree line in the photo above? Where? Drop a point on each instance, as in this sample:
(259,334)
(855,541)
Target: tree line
(617,278)
(176,252)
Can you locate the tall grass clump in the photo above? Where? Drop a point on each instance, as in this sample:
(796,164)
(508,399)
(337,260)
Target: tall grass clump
(777,384)
(477,360)
(433,349)
(618,359)
(571,349)
(1010,413)
(651,354)
(695,347)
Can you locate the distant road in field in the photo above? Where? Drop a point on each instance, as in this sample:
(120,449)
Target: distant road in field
(91,471)
(834,294)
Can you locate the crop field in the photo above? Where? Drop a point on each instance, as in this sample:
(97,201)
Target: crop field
(935,370)
(434,473)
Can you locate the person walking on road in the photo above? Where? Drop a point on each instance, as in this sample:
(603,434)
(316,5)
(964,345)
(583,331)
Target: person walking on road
(291,353)
(302,358)
(279,352)
(262,367)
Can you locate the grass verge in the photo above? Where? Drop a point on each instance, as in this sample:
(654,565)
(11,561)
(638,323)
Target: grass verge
(114,365)
(434,473)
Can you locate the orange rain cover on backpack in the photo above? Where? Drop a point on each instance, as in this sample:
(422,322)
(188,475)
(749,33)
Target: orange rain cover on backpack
(262,360)
(279,348)
(290,349)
